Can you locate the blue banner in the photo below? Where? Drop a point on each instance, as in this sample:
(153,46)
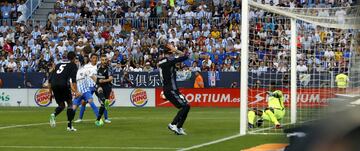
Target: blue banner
(185,80)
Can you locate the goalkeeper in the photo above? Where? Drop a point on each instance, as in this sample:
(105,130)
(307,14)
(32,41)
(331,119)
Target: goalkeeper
(273,113)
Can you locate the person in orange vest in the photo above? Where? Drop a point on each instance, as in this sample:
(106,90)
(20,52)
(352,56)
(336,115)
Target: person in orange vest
(199,81)
(342,81)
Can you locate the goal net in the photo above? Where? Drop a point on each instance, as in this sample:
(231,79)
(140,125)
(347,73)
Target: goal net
(300,51)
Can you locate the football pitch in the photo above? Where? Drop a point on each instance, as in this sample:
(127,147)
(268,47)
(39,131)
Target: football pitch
(131,129)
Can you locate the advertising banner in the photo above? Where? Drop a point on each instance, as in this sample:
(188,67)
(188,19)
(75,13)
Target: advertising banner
(136,97)
(13,97)
(215,97)
(132,97)
(219,97)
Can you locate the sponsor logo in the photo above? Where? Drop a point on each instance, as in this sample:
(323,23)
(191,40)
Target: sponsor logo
(211,97)
(42,97)
(138,97)
(4,97)
(227,97)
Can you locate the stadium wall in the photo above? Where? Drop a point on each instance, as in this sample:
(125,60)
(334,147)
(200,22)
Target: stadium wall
(153,97)
(132,97)
(258,97)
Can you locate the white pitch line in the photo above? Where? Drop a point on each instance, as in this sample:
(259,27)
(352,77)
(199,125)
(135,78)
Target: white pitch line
(88,147)
(230,137)
(37,124)
(210,143)
(264,129)
(87,120)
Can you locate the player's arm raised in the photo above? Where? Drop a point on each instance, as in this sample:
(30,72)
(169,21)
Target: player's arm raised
(182,57)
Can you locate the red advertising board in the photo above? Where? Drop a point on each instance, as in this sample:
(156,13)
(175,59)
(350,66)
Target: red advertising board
(230,97)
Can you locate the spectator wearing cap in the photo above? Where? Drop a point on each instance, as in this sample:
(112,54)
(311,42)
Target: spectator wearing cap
(147,67)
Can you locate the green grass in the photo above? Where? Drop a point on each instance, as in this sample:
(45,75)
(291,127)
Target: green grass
(131,127)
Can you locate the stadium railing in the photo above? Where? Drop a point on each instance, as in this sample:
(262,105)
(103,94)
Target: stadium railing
(31,7)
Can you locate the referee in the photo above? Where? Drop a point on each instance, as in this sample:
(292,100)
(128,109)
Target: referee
(170,89)
(103,90)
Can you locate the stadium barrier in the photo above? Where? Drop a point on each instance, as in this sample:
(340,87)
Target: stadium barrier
(150,97)
(230,97)
(131,97)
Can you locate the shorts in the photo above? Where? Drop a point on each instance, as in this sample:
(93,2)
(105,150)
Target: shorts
(107,91)
(62,94)
(176,98)
(85,96)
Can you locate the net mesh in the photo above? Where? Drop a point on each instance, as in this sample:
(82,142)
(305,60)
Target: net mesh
(326,46)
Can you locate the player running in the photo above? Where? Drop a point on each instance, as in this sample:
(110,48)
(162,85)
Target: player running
(170,89)
(86,77)
(273,113)
(61,87)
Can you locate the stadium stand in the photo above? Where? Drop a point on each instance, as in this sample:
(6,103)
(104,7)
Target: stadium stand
(128,32)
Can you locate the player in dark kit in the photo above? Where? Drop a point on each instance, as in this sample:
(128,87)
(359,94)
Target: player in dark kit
(61,87)
(170,89)
(103,90)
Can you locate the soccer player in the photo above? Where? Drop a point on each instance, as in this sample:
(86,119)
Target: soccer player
(170,89)
(82,111)
(273,113)
(103,91)
(86,77)
(60,86)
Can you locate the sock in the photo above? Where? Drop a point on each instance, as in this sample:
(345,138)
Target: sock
(177,117)
(106,114)
(185,110)
(82,110)
(101,112)
(95,109)
(70,116)
(58,110)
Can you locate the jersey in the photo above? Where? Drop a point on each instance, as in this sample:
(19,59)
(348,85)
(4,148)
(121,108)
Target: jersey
(83,78)
(276,100)
(63,73)
(342,80)
(104,73)
(168,73)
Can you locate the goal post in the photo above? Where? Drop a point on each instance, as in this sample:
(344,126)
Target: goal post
(307,93)
(244,66)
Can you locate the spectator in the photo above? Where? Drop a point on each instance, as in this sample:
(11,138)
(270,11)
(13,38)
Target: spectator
(11,66)
(147,67)
(6,10)
(342,81)
(301,67)
(199,82)
(195,67)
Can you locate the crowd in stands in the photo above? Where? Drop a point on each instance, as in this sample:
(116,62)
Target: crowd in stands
(11,10)
(130,32)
